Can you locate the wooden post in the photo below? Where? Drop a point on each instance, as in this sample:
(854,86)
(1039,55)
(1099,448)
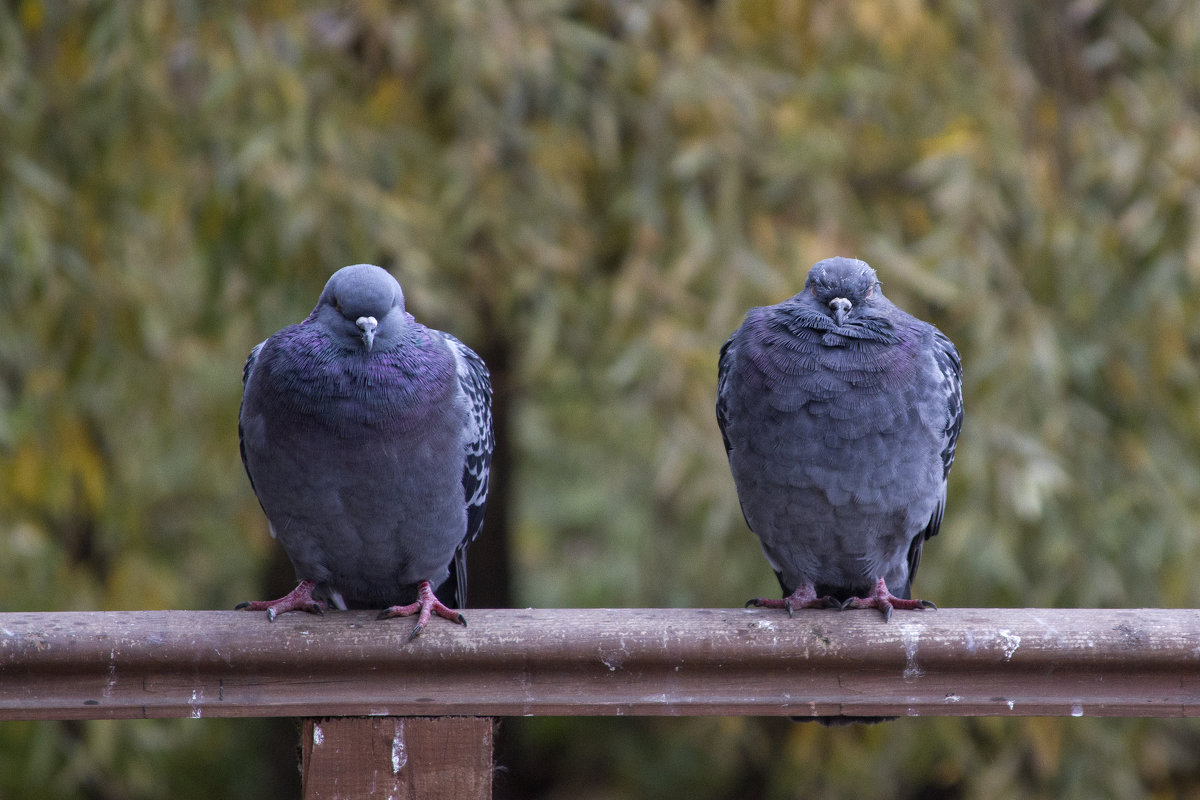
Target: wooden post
(400,758)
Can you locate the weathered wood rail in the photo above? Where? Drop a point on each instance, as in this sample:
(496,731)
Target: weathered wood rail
(1029,662)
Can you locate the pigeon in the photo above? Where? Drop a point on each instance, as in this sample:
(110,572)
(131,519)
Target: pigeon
(367,438)
(840,413)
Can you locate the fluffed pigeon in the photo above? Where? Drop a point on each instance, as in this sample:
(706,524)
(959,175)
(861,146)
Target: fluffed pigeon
(368,439)
(840,414)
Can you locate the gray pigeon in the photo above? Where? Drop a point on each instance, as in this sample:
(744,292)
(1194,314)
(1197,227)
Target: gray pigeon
(840,413)
(368,438)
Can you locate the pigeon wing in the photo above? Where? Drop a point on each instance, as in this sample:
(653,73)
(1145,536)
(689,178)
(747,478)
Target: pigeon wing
(480,441)
(251,360)
(950,367)
(724,387)
(723,368)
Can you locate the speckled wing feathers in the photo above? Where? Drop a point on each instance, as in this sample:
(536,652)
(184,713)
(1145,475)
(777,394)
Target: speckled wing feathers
(722,391)
(950,366)
(480,441)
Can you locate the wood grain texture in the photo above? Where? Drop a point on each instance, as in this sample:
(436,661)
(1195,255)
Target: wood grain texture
(400,758)
(87,665)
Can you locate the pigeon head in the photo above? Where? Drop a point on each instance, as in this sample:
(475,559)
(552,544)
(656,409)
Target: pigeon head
(363,303)
(841,285)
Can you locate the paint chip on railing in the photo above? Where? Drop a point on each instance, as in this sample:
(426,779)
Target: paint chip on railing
(1010,642)
(912,636)
(111,681)
(399,753)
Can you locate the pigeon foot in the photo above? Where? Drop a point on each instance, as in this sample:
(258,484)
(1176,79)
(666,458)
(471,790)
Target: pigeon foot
(882,599)
(299,599)
(426,606)
(805,596)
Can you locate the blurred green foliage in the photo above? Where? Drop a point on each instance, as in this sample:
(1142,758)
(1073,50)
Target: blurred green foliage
(596,192)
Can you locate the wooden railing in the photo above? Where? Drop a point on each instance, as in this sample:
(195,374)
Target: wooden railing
(413,719)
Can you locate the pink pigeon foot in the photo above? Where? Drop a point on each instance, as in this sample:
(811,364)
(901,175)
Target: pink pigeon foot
(805,596)
(299,599)
(885,601)
(425,607)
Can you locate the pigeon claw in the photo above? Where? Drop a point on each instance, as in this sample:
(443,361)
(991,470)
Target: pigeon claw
(805,596)
(426,606)
(299,599)
(882,599)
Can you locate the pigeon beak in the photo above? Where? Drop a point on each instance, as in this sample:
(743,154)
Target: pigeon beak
(367,325)
(840,307)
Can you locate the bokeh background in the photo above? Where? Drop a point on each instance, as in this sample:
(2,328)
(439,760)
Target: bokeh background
(591,193)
